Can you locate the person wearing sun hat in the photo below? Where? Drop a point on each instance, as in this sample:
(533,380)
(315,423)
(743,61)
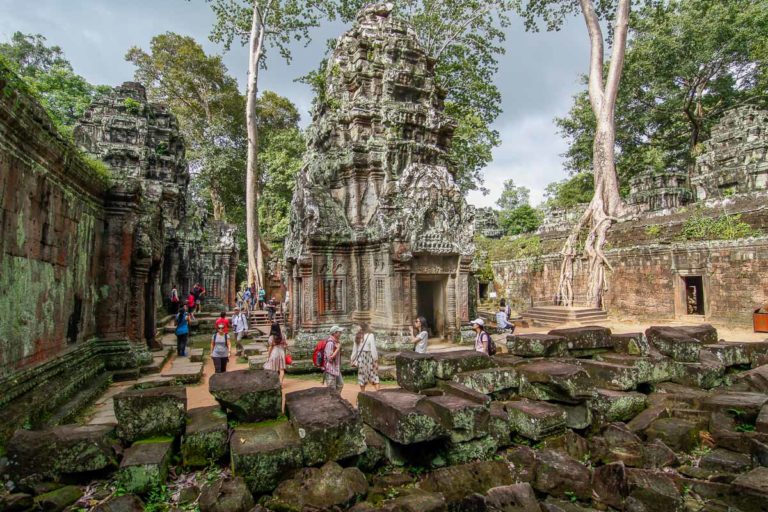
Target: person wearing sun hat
(332,368)
(482,338)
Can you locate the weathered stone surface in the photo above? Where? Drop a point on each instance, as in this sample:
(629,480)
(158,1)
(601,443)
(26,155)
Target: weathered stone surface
(522,463)
(675,343)
(250,395)
(535,420)
(66,450)
(144,413)
(400,416)
(617,444)
(463,419)
(16,502)
(754,380)
(456,361)
(752,490)
(559,475)
(569,443)
(512,498)
(610,485)
(609,405)
(409,500)
(704,333)
(536,345)
(499,425)
(458,482)
(489,380)
(145,465)
(611,375)
(265,454)
(320,489)
(657,455)
(680,435)
(748,404)
(577,416)
(726,461)
(584,338)
(329,427)
(206,439)
(707,374)
(449,387)
(124,503)
(730,354)
(554,380)
(651,491)
(633,343)
(230,495)
(375,450)
(59,499)
(644,419)
(415,371)
(761,423)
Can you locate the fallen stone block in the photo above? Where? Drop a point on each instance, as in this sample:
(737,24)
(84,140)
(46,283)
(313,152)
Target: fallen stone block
(577,416)
(585,339)
(554,380)
(67,450)
(263,455)
(644,419)
(463,419)
(617,444)
(226,495)
(726,461)
(184,371)
(400,415)
(758,353)
(415,371)
(450,387)
(650,369)
(536,345)
(329,427)
(450,363)
(612,376)
(196,355)
(611,485)
(704,333)
(743,404)
(489,380)
(761,423)
(657,455)
(559,475)
(58,499)
(145,465)
(679,435)
(535,420)
(375,450)
(755,380)
(457,482)
(153,412)
(674,395)
(633,343)
(730,354)
(250,395)
(206,439)
(330,487)
(454,453)
(513,498)
(498,425)
(707,374)
(124,503)
(609,405)
(409,500)
(751,490)
(674,343)
(651,490)
(569,443)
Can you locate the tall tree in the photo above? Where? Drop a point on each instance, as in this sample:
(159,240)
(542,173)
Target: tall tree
(603,88)
(206,100)
(262,24)
(513,196)
(687,62)
(49,75)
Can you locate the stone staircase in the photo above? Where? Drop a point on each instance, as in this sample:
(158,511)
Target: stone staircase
(259,322)
(557,315)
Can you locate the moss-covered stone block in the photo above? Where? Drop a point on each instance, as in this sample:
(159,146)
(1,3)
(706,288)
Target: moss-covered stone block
(248,395)
(482,448)
(490,380)
(400,415)
(498,425)
(631,343)
(153,412)
(145,465)
(375,450)
(58,499)
(415,371)
(458,482)
(328,426)
(585,338)
(536,345)
(730,354)
(535,420)
(206,438)
(463,419)
(611,375)
(675,343)
(67,450)
(610,405)
(546,379)
(264,454)
(456,361)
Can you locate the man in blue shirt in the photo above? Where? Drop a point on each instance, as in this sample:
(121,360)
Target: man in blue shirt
(182,330)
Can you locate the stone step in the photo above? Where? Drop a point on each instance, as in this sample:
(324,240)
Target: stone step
(558,380)
(156,366)
(125,375)
(184,371)
(253,349)
(79,402)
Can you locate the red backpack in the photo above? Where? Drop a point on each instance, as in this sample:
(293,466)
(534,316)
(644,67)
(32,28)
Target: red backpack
(318,356)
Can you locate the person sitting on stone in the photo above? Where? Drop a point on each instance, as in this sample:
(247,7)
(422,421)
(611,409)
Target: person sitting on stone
(366,358)
(502,321)
(420,335)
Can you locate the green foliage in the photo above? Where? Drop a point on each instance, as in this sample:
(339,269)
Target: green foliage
(100,168)
(577,189)
(653,230)
(723,227)
(523,219)
(158,500)
(513,196)
(49,76)
(510,248)
(132,106)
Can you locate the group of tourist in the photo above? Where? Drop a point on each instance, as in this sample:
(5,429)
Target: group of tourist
(193,301)
(249,298)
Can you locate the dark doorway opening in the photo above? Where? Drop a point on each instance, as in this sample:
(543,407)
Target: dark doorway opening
(430,304)
(483,290)
(694,295)
(73,325)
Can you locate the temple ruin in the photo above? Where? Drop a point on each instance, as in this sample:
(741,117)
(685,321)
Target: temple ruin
(379,229)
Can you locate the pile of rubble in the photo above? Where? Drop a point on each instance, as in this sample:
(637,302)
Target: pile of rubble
(577,419)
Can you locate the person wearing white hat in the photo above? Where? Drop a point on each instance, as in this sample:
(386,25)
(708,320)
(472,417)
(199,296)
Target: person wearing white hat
(332,368)
(482,338)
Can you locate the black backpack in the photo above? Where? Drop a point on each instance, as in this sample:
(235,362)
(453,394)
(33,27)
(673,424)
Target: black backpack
(491,344)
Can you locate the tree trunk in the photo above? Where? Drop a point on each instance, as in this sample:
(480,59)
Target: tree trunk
(252,232)
(606,202)
(219,208)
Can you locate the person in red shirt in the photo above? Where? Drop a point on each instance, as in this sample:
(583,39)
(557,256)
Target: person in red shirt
(223,321)
(191,305)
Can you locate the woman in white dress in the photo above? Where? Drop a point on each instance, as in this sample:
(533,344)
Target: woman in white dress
(277,349)
(366,358)
(420,335)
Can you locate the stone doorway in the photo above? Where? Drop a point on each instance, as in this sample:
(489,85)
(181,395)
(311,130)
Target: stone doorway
(430,302)
(694,295)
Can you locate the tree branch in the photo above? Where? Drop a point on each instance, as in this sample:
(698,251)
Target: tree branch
(617,56)
(595,55)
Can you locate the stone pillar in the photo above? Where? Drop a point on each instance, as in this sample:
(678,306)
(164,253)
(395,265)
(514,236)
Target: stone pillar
(232,291)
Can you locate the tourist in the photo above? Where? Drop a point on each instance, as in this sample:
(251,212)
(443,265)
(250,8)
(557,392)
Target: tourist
(421,339)
(220,349)
(366,358)
(483,339)
(507,308)
(174,300)
(191,305)
(198,291)
(271,308)
(247,298)
(253,296)
(502,321)
(277,349)
(262,297)
(332,367)
(182,330)
(240,323)
(222,320)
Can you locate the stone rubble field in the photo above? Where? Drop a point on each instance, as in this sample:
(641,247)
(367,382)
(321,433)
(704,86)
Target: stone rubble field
(578,419)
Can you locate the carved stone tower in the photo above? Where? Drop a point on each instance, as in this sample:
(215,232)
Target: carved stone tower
(380,232)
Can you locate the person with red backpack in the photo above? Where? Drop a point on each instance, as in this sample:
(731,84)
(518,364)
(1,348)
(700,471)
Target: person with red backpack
(483,341)
(332,360)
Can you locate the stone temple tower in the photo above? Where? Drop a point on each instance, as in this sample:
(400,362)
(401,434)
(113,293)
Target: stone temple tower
(379,232)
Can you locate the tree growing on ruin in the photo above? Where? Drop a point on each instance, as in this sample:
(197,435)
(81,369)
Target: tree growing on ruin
(606,204)
(262,24)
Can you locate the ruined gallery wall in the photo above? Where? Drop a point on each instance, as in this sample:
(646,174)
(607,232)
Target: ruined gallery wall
(52,220)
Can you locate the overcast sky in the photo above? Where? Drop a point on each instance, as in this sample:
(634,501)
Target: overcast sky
(538,74)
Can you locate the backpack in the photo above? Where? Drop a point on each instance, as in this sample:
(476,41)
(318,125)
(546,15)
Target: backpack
(491,344)
(318,356)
